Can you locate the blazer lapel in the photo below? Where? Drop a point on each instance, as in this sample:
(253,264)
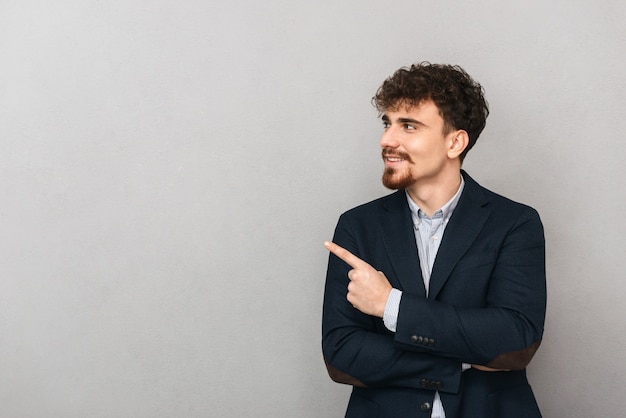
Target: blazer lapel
(399,241)
(466,222)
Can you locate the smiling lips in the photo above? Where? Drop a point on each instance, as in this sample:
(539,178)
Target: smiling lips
(394,156)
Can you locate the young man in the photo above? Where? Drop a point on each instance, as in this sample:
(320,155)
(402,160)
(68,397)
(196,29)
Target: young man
(435,294)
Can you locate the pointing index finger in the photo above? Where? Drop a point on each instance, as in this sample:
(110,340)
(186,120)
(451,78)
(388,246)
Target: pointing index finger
(354,261)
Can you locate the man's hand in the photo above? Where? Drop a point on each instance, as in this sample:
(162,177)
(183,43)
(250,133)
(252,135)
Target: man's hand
(368,289)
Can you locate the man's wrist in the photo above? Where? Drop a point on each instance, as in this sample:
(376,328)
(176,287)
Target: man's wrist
(392,308)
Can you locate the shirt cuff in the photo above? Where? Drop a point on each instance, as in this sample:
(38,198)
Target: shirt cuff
(390,316)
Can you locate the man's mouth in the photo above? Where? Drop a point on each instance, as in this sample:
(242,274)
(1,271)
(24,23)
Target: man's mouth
(394,157)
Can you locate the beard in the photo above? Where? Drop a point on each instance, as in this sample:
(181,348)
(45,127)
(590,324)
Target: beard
(395,179)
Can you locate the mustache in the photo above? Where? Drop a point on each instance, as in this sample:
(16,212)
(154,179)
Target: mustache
(388,152)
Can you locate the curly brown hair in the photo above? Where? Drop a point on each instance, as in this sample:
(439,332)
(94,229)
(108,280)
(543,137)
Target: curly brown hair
(460,99)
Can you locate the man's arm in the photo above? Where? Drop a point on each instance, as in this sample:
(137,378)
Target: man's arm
(504,334)
(359,350)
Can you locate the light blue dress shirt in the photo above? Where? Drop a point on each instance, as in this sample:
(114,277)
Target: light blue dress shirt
(428,234)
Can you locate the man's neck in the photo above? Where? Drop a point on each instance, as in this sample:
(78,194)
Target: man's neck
(431,194)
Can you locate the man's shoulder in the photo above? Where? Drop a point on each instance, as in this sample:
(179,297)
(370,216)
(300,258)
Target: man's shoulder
(375,206)
(497,202)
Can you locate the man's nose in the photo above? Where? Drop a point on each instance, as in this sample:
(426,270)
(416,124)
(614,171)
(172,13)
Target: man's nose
(389,138)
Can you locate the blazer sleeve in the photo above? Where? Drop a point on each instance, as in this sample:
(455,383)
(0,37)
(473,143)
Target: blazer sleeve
(506,327)
(359,350)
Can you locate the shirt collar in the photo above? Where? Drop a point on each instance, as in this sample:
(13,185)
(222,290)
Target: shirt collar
(446,210)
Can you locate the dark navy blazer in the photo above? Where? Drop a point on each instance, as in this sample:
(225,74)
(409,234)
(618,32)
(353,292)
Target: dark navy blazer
(486,306)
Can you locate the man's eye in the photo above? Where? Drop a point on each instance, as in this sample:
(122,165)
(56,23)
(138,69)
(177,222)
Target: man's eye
(409,127)
(386,125)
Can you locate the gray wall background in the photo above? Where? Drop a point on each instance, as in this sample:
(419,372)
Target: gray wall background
(170,169)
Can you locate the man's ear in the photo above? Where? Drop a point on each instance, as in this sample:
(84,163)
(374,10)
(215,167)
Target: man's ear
(458,142)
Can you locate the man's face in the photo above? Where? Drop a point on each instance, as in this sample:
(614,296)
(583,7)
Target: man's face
(414,147)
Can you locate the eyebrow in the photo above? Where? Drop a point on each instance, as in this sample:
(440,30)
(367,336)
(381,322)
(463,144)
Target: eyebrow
(385,118)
